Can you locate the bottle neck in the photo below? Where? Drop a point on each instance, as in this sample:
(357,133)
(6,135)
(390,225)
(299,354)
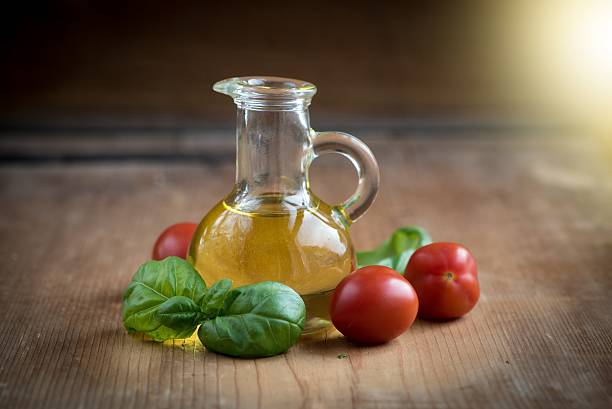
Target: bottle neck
(273,151)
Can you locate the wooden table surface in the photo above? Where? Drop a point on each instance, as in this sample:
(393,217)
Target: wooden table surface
(536,210)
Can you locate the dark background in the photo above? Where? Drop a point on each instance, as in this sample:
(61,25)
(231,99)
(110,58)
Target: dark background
(153,62)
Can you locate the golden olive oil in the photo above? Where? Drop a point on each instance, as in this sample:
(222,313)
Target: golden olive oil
(306,248)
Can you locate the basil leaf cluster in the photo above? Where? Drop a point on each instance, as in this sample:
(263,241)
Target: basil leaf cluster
(155,284)
(395,252)
(168,300)
(261,319)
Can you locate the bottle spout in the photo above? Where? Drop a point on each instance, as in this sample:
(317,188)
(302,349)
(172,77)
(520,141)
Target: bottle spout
(227,86)
(267,93)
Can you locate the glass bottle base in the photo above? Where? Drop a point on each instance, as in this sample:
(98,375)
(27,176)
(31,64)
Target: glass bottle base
(317,312)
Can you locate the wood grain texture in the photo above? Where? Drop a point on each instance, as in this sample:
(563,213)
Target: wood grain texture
(535,211)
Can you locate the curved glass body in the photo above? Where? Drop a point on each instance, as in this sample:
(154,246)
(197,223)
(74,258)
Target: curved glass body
(271,227)
(302,247)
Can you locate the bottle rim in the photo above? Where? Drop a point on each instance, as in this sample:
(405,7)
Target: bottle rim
(267,92)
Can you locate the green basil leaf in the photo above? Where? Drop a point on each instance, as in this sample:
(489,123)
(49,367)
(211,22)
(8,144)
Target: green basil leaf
(396,250)
(179,313)
(257,320)
(152,285)
(214,300)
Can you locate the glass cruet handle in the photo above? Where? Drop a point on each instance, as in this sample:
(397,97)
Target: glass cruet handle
(365,163)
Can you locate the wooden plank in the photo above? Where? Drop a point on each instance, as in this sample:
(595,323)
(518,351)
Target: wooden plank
(534,211)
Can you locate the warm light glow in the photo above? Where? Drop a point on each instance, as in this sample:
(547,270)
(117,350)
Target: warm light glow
(577,57)
(561,58)
(586,36)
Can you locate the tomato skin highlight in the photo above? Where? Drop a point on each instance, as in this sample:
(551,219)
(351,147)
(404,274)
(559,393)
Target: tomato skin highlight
(174,241)
(373,305)
(445,278)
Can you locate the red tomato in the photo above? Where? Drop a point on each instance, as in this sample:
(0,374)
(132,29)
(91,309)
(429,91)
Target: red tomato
(373,305)
(445,278)
(174,241)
